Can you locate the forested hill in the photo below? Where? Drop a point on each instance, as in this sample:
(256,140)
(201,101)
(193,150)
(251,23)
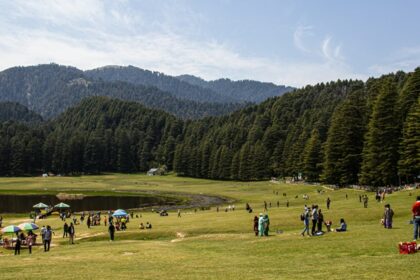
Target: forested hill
(161,81)
(245,90)
(50,89)
(11,111)
(191,87)
(343,132)
(100,134)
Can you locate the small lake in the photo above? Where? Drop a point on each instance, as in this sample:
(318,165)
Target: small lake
(24,203)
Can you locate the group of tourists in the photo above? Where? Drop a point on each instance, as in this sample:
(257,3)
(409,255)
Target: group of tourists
(261,225)
(28,240)
(69,231)
(314,214)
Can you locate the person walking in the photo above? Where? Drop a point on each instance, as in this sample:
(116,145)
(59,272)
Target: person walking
(416,217)
(314,215)
(71,232)
(43,229)
(179,213)
(328,203)
(111,230)
(305,218)
(47,239)
(65,230)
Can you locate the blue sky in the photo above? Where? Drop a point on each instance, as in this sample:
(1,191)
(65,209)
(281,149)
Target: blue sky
(285,42)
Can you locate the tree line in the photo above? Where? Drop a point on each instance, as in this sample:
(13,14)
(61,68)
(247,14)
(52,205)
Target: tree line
(343,132)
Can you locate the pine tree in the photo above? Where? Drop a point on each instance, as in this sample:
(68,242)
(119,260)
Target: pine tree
(312,157)
(380,152)
(409,163)
(344,144)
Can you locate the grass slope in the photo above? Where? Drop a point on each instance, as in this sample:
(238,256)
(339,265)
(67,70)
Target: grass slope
(218,245)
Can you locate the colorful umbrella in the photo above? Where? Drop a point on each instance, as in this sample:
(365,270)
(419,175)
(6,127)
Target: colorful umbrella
(28,226)
(11,229)
(62,205)
(40,206)
(119,213)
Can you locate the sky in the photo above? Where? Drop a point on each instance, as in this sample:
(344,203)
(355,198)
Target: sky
(292,42)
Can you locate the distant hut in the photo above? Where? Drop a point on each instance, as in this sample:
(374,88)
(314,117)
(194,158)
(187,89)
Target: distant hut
(153,171)
(157,171)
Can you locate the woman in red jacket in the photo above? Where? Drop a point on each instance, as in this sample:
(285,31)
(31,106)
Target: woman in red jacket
(416,217)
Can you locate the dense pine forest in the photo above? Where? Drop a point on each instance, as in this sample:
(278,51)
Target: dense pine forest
(343,133)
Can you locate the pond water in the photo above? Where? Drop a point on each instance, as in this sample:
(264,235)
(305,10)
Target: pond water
(24,203)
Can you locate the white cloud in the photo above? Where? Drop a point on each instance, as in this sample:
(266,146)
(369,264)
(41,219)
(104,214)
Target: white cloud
(332,54)
(299,35)
(89,34)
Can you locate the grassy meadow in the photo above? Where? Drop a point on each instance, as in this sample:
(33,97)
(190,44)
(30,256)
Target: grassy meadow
(217,245)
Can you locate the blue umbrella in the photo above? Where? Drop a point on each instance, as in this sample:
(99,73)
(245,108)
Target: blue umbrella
(119,213)
(11,229)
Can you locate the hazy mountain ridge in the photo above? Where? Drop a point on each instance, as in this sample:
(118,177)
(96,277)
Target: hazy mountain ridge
(50,89)
(242,90)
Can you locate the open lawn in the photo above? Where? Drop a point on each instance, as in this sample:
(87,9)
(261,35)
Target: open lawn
(218,245)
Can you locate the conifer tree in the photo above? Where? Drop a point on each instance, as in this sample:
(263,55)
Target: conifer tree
(409,163)
(380,152)
(344,144)
(312,157)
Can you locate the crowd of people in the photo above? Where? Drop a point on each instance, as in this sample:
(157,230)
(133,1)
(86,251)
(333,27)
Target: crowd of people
(312,218)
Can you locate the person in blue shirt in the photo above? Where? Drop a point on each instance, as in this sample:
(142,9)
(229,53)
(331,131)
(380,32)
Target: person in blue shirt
(343,226)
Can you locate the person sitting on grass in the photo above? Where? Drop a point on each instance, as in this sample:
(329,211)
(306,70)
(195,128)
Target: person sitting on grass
(148,225)
(141,226)
(343,226)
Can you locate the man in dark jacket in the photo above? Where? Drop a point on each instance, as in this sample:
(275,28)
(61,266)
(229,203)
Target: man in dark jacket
(111,230)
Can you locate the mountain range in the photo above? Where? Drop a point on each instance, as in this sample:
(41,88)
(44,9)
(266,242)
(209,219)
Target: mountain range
(50,89)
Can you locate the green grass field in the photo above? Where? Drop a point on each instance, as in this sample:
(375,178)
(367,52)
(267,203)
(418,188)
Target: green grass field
(218,245)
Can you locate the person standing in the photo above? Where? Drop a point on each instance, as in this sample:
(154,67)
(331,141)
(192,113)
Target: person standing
(30,240)
(320,220)
(256,225)
(365,201)
(305,217)
(328,203)
(17,244)
(314,215)
(261,225)
(388,214)
(179,213)
(47,238)
(416,217)
(71,232)
(88,221)
(111,230)
(266,224)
